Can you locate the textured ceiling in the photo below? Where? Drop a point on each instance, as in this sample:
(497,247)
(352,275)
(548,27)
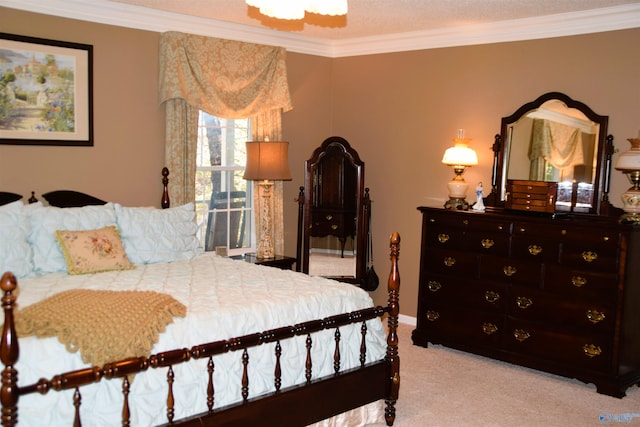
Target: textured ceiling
(368,18)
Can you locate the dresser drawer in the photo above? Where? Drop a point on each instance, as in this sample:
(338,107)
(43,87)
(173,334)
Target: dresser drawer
(466,221)
(451,263)
(590,256)
(446,238)
(510,270)
(589,351)
(468,232)
(460,293)
(580,284)
(487,242)
(445,324)
(539,306)
(325,223)
(476,241)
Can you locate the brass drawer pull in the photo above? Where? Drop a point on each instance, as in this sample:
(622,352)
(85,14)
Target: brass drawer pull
(524,302)
(487,243)
(509,270)
(449,261)
(443,238)
(578,281)
(521,335)
(329,217)
(535,249)
(589,256)
(434,286)
(491,296)
(334,227)
(592,350)
(595,316)
(489,328)
(432,316)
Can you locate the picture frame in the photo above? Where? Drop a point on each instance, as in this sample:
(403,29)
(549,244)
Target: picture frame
(46,92)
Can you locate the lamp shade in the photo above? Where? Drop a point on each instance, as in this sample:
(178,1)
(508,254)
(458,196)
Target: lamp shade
(460,155)
(630,160)
(267,160)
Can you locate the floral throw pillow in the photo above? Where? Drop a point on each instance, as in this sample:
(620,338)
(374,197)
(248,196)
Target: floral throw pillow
(93,251)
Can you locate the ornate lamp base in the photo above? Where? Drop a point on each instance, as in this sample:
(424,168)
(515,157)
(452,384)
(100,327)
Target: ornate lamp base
(629,218)
(631,200)
(265,248)
(457,203)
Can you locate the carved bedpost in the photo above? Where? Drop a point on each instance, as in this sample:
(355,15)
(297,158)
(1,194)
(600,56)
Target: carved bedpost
(392,357)
(165,191)
(299,243)
(9,353)
(165,203)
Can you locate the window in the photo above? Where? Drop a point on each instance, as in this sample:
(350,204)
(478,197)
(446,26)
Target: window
(224,200)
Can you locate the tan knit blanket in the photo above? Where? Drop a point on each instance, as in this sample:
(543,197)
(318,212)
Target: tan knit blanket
(105,326)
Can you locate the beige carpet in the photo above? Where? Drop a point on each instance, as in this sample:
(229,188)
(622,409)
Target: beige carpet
(445,387)
(331,265)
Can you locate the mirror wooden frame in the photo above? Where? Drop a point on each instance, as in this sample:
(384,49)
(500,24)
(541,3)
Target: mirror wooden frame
(605,149)
(306,209)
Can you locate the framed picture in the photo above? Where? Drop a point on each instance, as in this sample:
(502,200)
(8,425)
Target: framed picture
(46,95)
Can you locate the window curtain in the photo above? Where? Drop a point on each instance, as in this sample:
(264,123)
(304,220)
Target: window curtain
(556,143)
(225,78)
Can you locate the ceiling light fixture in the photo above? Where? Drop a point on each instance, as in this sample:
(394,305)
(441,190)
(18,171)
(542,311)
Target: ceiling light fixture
(295,9)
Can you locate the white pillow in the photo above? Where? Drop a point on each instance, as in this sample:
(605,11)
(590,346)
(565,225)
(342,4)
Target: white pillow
(154,235)
(15,252)
(46,220)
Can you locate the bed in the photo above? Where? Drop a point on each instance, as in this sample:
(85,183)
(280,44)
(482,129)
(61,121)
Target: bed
(241,344)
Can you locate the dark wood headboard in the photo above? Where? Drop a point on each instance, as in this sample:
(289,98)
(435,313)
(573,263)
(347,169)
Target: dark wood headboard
(6,197)
(73,199)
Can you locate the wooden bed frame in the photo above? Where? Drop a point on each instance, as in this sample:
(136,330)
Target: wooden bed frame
(298,405)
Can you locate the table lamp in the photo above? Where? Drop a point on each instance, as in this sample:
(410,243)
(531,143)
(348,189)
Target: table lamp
(459,156)
(267,161)
(629,164)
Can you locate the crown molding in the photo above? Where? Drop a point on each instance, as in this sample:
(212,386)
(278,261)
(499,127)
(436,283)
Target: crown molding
(559,25)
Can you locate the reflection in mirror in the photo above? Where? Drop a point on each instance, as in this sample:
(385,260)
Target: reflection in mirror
(555,139)
(333,213)
(555,143)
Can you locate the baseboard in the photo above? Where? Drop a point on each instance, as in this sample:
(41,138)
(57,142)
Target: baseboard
(407,320)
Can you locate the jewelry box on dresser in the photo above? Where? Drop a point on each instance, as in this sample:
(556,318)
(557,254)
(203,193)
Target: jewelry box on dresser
(558,292)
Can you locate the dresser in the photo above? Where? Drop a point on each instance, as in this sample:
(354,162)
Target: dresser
(559,294)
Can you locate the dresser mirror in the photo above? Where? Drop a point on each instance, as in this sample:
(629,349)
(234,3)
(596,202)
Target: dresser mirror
(559,140)
(333,214)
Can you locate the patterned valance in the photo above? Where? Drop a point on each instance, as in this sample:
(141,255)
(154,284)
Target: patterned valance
(225,78)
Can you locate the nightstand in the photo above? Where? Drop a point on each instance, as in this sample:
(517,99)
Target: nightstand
(279,261)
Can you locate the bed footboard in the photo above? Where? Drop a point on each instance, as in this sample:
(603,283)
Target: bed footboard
(299,405)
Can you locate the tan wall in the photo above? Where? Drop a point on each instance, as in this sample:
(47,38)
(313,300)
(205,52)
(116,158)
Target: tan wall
(399,111)
(125,163)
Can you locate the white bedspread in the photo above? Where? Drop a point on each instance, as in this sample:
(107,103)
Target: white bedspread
(224,298)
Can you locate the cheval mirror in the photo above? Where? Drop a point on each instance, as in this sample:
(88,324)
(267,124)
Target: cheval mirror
(555,139)
(333,214)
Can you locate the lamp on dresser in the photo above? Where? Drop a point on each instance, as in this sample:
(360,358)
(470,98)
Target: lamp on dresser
(459,156)
(267,162)
(629,164)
